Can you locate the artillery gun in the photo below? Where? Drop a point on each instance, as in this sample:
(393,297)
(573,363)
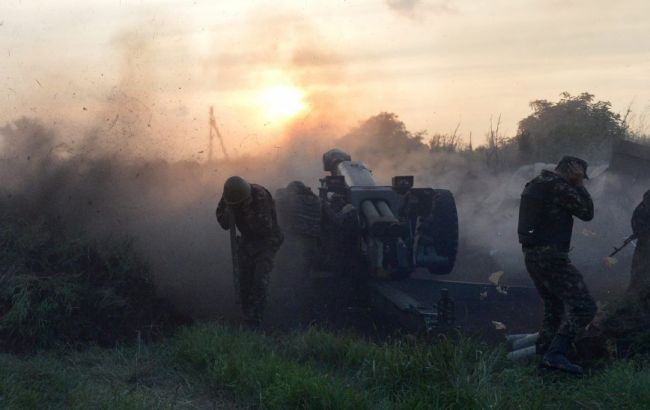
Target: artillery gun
(386,237)
(389,231)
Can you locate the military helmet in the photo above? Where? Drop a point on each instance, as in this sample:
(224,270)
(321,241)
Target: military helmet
(333,157)
(567,160)
(296,187)
(236,190)
(646,197)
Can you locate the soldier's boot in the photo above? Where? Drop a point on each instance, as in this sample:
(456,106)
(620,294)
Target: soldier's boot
(555,358)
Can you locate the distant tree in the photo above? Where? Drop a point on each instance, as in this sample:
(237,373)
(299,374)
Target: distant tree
(575,125)
(446,142)
(382,135)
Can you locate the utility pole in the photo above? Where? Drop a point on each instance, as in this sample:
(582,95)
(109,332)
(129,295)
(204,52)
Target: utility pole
(214,130)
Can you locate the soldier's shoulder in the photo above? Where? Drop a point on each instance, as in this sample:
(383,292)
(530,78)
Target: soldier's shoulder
(554,180)
(547,175)
(545,178)
(258,192)
(643,209)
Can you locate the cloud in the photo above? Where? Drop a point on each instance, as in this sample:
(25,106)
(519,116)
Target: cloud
(418,9)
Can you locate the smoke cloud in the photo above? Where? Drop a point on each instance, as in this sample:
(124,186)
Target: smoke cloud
(168,206)
(130,161)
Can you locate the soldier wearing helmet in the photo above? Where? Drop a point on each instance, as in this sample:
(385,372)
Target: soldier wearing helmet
(548,204)
(261,237)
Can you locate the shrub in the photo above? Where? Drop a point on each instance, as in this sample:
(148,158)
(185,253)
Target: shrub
(56,287)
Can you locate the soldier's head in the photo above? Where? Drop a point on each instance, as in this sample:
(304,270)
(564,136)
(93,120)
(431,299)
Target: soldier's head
(296,186)
(646,197)
(572,168)
(332,158)
(236,191)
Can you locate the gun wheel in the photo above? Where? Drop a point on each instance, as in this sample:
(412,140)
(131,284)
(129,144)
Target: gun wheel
(444,224)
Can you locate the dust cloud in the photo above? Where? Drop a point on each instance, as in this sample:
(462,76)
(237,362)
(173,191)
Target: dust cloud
(168,206)
(132,167)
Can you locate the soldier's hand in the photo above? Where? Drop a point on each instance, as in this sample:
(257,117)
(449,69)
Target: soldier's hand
(576,175)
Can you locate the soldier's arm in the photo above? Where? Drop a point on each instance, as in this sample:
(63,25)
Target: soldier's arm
(575,200)
(222,214)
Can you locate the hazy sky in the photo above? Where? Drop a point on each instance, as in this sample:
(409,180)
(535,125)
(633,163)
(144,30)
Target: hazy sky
(156,66)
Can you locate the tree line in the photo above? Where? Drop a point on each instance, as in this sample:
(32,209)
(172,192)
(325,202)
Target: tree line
(576,125)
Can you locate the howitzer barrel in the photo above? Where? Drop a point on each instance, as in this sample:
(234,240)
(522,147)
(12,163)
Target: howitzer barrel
(394,229)
(380,218)
(384,209)
(369,210)
(355,173)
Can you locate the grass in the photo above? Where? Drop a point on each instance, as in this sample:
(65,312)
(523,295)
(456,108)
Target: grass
(320,370)
(61,287)
(63,296)
(119,378)
(215,366)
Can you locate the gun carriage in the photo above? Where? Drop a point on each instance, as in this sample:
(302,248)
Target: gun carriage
(388,237)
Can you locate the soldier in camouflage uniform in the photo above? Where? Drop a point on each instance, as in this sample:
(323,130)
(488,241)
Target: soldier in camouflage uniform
(640,275)
(261,237)
(548,204)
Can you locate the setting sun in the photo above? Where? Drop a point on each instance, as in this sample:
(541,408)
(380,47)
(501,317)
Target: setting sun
(281,102)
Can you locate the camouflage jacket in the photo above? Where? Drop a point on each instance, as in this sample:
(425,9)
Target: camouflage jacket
(548,205)
(641,218)
(256,220)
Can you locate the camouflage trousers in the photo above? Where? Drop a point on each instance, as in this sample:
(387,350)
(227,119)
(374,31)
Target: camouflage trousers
(255,266)
(568,306)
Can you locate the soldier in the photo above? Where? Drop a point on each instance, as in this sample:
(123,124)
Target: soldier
(640,274)
(548,204)
(299,210)
(299,213)
(619,327)
(254,214)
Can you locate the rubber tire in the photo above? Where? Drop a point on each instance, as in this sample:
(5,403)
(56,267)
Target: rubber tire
(445,223)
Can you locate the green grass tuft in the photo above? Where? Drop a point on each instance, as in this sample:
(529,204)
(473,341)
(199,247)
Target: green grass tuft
(254,368)
(215,366)
(56,288)
(321,370)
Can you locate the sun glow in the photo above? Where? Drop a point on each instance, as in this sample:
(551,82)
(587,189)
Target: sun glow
(281,102)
